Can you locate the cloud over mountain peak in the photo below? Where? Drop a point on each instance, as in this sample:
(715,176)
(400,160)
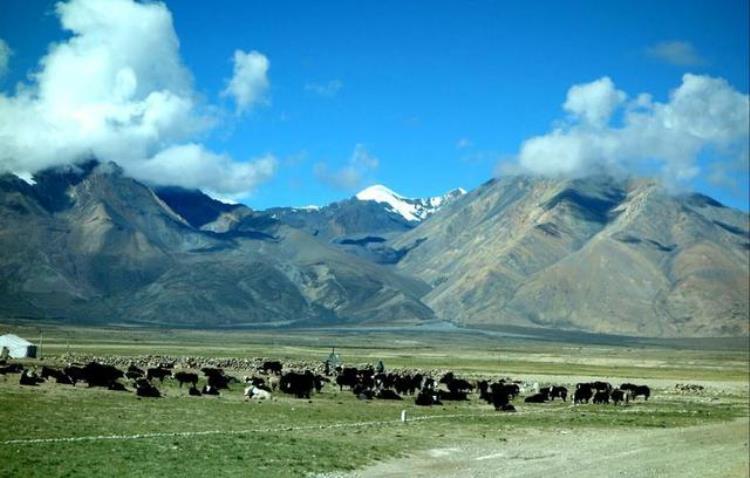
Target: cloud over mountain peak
(118,90)
(607,132)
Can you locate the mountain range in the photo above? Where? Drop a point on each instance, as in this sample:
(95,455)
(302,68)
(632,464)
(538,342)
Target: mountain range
(598,254)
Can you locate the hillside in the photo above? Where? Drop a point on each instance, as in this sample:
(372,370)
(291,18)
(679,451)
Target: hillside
(598,255)
(92,245)
(595,254)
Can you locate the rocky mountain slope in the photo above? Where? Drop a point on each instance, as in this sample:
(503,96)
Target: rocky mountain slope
(596,254)
(92,245)
(593,254)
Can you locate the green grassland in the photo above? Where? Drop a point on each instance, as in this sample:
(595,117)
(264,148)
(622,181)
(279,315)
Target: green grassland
(334,430)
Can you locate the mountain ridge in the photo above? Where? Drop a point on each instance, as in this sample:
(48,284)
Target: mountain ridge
(108,249)
(596,254)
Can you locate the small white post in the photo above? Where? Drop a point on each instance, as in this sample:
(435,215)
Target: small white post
(403,416)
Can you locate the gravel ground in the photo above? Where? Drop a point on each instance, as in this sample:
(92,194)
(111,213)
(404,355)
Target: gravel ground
(717,450)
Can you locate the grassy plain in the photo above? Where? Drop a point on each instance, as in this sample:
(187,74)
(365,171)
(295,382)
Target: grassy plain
(227,436)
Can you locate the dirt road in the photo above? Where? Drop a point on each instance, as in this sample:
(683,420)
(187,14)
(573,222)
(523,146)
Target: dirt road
(719,450)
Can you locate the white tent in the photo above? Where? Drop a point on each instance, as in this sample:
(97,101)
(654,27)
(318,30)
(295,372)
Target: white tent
(17,347)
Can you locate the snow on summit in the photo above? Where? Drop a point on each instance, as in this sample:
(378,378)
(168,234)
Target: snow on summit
(411,209)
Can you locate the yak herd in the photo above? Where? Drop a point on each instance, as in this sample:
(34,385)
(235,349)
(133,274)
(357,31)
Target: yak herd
(365,383)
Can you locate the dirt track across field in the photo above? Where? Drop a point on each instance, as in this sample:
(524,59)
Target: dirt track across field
(717,450)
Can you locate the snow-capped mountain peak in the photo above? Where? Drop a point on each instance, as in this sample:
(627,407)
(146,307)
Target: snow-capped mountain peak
(411,209)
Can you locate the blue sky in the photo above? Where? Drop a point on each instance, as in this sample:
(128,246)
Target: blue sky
(438,92)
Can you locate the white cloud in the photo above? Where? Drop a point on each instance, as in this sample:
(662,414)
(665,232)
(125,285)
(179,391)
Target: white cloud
(193,166)
(249,83)
(352,175)
(116,90)
(328,89)
(5,53)
(594,102)
(703,113)
(464,143)
(680,53)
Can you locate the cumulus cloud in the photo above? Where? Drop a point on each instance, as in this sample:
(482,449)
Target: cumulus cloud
(5,53)
(352,175)
(703,114)
(680,53)
(191,164)
(249,82)
(328,89)
(594,102)
(115,90)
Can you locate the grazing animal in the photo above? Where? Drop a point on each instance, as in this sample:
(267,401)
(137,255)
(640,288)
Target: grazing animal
(271,366)
(618,396)
(602,386)
(257,393)
(48,372)
(601,397)
(388,394)
(537,398)
(100,375)
(448,377)
(349,377)
(427,398)
(452,396)
(641,390)
(513,389)
(217,379)
(220,381)
(508,407)
(58,375)
(300,385)
(143,388)
(29,378)
(185,377)
(75,373)
(637,390)
(158,373)
(559,392)
(501,388)
(193,391)
(500,399)
(459,385)
(402,384)
(584,392)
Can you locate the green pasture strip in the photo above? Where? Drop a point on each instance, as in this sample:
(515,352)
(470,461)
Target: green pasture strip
(63,412)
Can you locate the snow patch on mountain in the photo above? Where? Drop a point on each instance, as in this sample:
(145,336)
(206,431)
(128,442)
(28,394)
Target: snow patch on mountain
(411,209)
